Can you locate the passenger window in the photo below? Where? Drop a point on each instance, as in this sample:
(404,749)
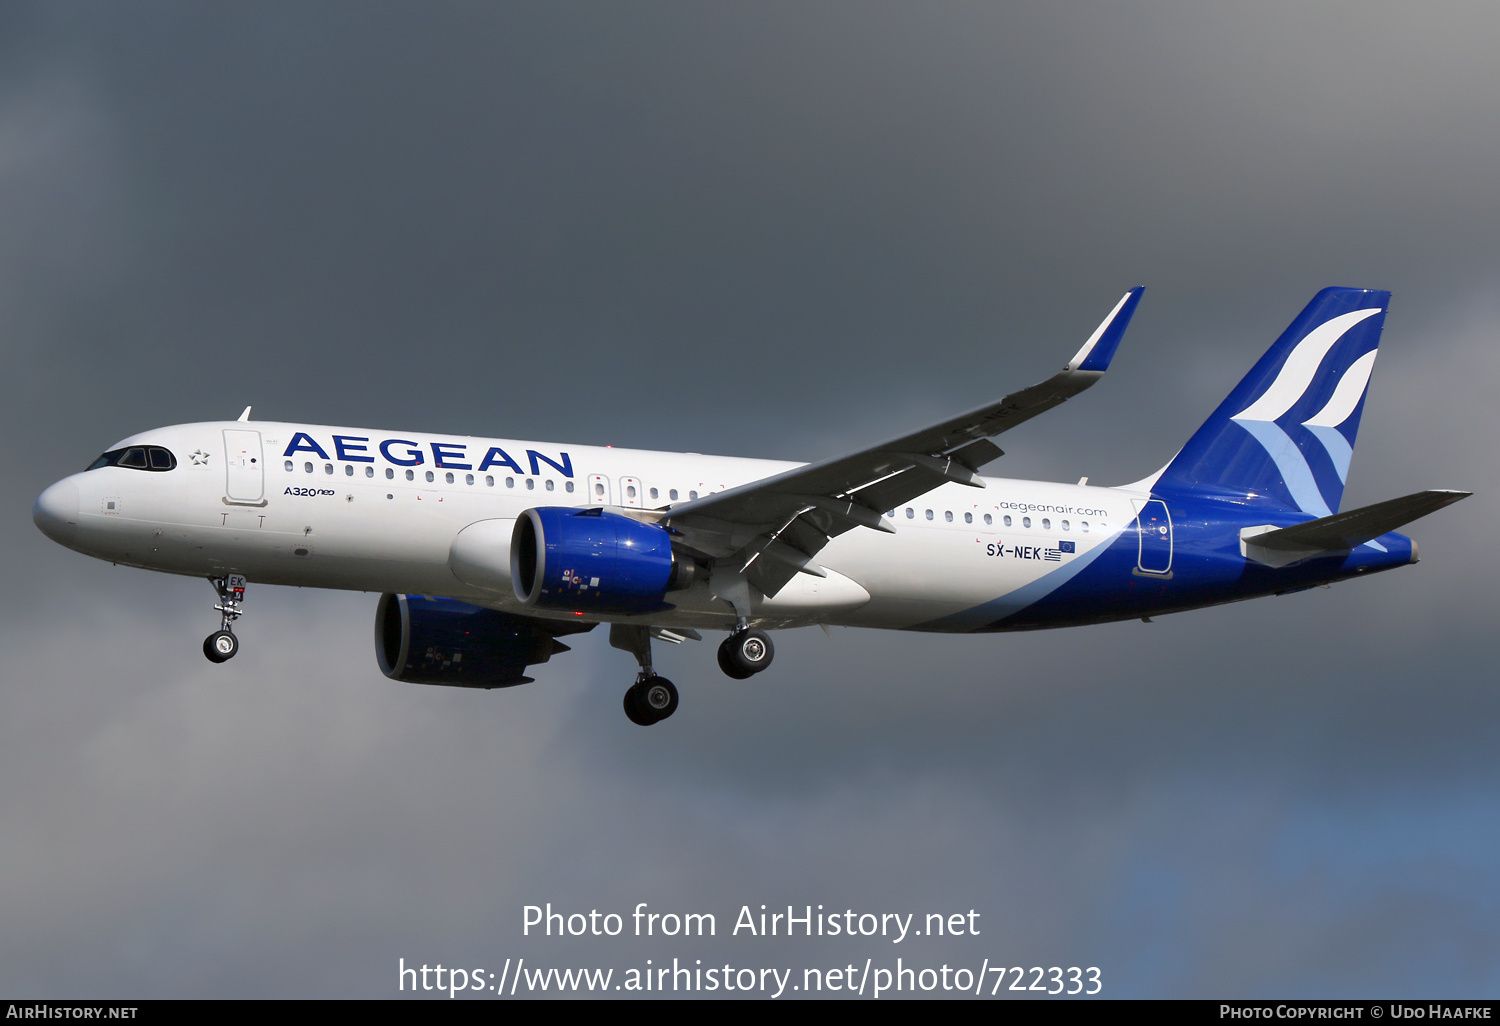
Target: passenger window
(692,495)
(891,513)
(1007,520)
(489,480)
(1083,525)
(369,472)
(989,520)
(530,485)
(655,494)
(672,495)
(468,479)
(410,476)
(568,486)
(510,482)
(948,515)
(448,477)
(289,466)
(348,470)
(968,518)
(929,514)
(910,513)
(389,474)
(630,490)
(1046,524)
(550,484)
(1025,521)
(1064,525)
(429,477)
(598,490)
(328,468)
(307,467)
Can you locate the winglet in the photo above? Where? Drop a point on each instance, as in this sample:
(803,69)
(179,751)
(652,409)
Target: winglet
(246,415)
(1100,348)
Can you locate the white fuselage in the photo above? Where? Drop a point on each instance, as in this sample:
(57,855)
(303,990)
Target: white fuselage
(418,513)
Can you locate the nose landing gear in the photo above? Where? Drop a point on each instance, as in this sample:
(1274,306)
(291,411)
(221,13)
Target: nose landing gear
(222,645)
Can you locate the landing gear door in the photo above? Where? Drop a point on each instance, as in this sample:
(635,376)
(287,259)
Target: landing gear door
(599,490)
(244,467)
(1154,528)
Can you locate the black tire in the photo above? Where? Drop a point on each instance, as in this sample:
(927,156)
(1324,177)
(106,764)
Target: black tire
(729,665)
(746,653)
(220,646)
(650,701)
(634,710)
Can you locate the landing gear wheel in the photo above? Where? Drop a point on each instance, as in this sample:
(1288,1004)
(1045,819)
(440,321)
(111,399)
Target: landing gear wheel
(746,653)
(220,646)
(651,701)
(659,695)
(728,665)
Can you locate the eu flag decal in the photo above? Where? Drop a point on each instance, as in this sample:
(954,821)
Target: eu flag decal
(1065,547)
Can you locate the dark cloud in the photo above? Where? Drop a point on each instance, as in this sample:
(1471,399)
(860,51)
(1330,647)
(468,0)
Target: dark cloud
(761,230)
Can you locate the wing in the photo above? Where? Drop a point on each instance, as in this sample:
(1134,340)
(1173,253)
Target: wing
(775,526)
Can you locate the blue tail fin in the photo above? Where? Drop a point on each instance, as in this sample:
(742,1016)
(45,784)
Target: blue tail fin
(1286,433)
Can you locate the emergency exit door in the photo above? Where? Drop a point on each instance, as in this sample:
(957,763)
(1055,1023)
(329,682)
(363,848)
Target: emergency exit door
(244,466)
(1154,528)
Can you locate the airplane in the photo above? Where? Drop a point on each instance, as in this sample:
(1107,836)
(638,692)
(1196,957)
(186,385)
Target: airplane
(486,552)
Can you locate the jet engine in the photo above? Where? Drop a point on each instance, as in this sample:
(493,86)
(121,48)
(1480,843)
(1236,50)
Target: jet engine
(423,640)
(594,561)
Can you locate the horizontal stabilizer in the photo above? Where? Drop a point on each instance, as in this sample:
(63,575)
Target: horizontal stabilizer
(1357,526)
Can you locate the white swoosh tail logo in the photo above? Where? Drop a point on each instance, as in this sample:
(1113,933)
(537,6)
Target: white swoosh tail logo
(1292,382)
(1300,368)
(1324,424)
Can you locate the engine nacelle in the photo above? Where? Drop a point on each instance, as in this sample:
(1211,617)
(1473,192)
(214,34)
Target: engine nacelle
(591,560)
(442,641)
(480,555)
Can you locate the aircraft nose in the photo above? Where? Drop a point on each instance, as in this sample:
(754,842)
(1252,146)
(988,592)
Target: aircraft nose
(56,511)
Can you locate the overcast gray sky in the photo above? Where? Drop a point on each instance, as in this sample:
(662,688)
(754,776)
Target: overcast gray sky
(775,230)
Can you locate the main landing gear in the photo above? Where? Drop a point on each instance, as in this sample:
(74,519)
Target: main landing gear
(221,645)
(652,698)
(745,653)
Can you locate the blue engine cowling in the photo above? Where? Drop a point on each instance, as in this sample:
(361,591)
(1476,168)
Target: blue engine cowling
(443,641)
(593,561)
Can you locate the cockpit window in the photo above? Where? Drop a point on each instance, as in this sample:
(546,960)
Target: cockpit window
(137,457)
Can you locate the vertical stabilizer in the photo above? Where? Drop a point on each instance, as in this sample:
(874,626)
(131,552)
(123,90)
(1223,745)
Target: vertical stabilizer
(1285,435)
